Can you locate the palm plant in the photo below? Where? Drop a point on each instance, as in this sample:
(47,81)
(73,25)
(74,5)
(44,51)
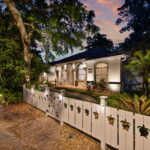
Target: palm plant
(140,66)
(136,104)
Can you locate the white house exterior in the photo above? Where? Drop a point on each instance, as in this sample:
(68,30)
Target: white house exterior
(96,65)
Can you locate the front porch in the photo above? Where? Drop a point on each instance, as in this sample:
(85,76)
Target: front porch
(80,88)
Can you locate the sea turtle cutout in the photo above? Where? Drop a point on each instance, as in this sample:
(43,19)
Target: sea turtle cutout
(143,131)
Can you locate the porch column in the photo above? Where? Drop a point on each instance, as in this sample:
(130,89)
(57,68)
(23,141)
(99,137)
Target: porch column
(85,79)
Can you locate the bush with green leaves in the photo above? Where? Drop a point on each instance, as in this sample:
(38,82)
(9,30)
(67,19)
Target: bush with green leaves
(9,97)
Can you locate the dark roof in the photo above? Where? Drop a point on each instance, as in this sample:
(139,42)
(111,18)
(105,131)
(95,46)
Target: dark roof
(89,54)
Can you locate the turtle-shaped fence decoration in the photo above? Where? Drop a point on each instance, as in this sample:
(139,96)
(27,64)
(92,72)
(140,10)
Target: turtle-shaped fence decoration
(144,131)
(71,107)
(78,109)
(65,105)
(111,120)
(126,125)
(96,114)
(86,112)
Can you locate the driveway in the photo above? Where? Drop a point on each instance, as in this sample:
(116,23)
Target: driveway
(23,127)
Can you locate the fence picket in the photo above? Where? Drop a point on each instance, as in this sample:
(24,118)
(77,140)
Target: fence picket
(96,121)
(87,117)
(71,107)
(65,112)
(79,115)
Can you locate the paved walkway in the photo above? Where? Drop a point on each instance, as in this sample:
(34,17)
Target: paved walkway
(8,141)
(23,127)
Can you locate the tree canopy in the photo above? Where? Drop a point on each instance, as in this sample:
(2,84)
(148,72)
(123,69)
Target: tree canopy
(99,41)
(135,14)
(61,25)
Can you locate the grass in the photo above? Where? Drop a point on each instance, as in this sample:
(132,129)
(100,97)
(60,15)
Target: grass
(112,102)
(88,93)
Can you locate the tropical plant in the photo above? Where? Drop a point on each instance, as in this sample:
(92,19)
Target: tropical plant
(136,104)
(139,64)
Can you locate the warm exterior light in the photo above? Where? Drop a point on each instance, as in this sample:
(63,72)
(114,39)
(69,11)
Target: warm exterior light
(84,65)
(73,66)
(65,67)
(32,90)
(114,87)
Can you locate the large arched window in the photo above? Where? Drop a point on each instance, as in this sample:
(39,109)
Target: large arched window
(81,72)
(101,72)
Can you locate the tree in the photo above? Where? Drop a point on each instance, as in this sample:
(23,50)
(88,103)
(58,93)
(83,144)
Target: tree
(65,22)
(135,15)
(11,66)
(100,41)
(139,64)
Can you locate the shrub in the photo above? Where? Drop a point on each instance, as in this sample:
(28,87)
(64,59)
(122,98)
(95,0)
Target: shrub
(7,97)
(136,104)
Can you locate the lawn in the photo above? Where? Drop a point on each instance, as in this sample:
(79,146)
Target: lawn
(112,102)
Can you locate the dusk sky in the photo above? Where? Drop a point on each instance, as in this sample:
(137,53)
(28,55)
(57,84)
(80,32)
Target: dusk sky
(106,16)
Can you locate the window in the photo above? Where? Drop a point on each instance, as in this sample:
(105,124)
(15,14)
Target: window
(101,72)
(81,72)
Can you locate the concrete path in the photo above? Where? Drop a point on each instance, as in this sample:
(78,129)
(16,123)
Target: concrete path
(23,127)
(8,141)
(39,134)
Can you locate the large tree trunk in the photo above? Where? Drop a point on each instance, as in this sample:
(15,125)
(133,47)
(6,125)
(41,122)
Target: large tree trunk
(26,38)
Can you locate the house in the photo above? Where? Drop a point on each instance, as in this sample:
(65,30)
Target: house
(95,66)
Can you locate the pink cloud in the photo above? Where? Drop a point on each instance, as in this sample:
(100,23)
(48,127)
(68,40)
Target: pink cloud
(98,12)
(105,2)
(98,23)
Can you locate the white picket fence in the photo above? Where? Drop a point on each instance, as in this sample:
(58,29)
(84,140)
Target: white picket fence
(120,129)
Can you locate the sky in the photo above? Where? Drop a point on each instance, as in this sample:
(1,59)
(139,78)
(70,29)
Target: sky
(105,17)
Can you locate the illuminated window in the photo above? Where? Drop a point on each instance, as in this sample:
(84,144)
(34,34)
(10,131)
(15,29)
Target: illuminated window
(81,72)
(101,72)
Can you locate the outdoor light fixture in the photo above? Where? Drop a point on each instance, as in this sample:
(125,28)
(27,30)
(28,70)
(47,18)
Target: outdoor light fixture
(32,90)
(73,66)
(65,67)
(58,68)
(103,100)
(84,65)
(114,87)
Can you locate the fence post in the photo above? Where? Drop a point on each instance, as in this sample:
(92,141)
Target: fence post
(62,97)
(103,103)
(24,92)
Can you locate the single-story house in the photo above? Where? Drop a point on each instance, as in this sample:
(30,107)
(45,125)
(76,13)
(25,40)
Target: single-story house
(96,66)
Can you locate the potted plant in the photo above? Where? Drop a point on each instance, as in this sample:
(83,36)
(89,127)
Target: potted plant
(78,109)
(71,107)
(125,125)
(86,112)
(111,120)
(65,105)
(96,114)
(144,131)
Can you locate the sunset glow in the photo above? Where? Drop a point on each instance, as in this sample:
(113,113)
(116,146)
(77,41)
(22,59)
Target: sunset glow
(106,15)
